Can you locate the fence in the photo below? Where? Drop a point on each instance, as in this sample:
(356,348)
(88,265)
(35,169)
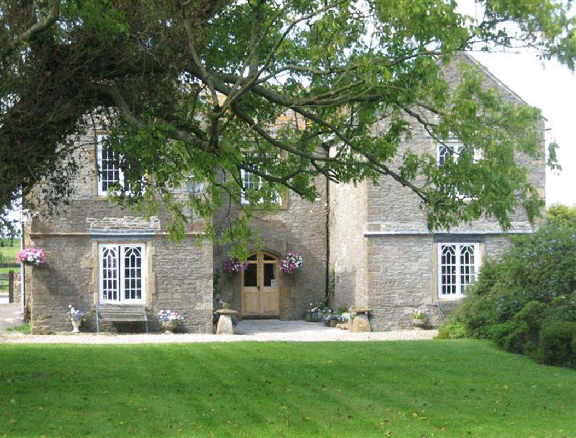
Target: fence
(7,283)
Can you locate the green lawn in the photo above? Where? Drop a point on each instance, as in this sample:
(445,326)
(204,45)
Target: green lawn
(8,250)
(399,389)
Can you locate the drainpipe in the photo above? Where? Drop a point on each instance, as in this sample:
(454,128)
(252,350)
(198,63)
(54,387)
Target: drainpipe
(326,148)
(22,266)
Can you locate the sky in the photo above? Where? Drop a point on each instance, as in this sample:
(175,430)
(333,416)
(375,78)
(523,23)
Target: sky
(552,88)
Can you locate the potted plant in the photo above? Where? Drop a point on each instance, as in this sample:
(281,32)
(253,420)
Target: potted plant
(76,317)
(31,256)
(170,320)
(316,311)
(420,318)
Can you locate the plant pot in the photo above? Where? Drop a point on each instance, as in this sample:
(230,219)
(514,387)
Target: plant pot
(76,324)
(420,322)
(313,316)
(170,326)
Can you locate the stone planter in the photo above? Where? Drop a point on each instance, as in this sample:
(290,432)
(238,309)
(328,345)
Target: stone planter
(360,321)
(313,316)
(170,326)
(76,325)
(225,326)
(420,322)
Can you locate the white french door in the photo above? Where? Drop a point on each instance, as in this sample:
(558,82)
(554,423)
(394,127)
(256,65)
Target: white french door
(122,273)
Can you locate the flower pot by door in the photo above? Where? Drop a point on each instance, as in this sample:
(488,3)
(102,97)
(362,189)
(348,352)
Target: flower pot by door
(170,326)
(76,324)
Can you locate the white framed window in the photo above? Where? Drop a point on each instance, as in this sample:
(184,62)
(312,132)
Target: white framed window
(110,175)
(450,148)
(458,267)
(122,273)
(251,183)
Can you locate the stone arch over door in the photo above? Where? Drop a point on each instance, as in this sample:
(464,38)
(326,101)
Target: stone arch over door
(261,286)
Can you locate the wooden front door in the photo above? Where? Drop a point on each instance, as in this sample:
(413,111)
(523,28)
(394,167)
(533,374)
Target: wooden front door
(260,288)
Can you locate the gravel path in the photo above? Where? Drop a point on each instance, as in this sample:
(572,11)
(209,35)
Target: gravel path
(247,331)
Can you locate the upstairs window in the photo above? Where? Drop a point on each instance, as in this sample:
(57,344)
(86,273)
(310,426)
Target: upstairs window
(449,148)
(251,184)
(110,174)
(457,268)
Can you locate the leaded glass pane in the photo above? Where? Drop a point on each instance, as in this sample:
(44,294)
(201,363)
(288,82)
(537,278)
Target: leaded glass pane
(132,273)
(466,267)
(448,270)
(269,274)
(109,274)
(251,275)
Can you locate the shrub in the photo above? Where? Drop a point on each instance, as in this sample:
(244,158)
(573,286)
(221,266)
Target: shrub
(530,288)
(453,330)
(558,343)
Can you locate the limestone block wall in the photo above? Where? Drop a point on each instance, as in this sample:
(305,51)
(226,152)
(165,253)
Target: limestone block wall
(348,257)
(183,281)
(400,279)
(179,277)
(62,281)
(299,225)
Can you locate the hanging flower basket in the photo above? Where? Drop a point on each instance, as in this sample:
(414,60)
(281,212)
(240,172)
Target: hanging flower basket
(31,256)
(292,262)
(233,265)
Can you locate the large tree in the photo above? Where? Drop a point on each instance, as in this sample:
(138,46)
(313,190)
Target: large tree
(287,90)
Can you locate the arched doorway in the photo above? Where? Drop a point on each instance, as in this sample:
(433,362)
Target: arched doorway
(260,286)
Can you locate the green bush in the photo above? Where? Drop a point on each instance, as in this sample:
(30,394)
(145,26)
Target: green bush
(510,335)
(452,330)
(558,343)
(532,286)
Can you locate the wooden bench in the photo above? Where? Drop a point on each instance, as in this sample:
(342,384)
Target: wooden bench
(120,313)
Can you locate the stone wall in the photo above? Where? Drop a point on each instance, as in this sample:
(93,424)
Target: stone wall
(178,274)
(62,281)
(400,277)
(383,227)
(298,225)
(179,277)
(348,258)
(183,281)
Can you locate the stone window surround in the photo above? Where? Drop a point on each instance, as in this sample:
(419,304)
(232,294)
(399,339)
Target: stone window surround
(475,240)
(149,275)
(251,181)
(118,251)
(99,167)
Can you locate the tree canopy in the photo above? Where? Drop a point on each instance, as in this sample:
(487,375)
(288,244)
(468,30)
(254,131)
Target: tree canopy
(196,89)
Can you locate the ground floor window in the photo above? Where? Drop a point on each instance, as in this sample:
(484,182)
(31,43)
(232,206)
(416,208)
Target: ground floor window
(122,273)
(457,268)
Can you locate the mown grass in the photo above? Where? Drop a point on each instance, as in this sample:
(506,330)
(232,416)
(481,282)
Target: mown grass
(8,250)
(21,328)
(404,389)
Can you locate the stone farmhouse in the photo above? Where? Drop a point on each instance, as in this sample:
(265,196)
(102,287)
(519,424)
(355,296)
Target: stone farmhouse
(363,245)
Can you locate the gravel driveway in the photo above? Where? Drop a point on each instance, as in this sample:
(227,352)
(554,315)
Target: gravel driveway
(248,330)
